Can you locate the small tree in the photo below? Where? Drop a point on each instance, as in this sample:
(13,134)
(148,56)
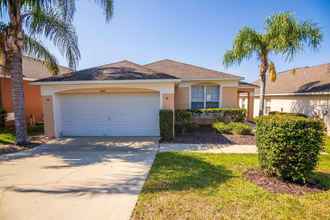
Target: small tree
(283,35)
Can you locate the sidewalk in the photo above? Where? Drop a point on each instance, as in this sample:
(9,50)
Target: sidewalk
(209,148)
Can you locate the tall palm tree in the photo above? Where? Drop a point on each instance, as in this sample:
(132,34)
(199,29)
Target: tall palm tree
(28,21)
(284,35)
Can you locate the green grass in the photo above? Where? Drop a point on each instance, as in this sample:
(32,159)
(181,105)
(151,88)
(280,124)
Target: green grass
(327,144)
(7,137)
(211,186)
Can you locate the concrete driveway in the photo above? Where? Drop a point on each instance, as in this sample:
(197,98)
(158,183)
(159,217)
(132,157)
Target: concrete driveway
(80,178)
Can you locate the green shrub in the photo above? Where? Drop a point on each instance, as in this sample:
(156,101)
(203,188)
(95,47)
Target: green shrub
(289,146)
(240,128)
(221,127)
(223,114)
(166,124)
(232,128)
(2,118)
(183,121)
(36,129)
(288,114)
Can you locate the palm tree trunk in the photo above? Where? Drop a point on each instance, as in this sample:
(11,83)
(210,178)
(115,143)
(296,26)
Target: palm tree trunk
(14,45)
(17,91)
(261,95)
(262,77)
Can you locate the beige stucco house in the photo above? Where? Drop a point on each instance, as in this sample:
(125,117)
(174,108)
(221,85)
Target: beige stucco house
(124,98)
(302,90)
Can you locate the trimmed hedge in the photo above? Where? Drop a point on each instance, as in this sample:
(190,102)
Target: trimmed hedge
(223,114)
(289,146)
(166,124)
(288,114)
(232,128)
(183,121)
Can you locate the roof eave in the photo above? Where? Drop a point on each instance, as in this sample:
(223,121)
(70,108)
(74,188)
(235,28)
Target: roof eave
(24,78)
(295,94)
(137,81)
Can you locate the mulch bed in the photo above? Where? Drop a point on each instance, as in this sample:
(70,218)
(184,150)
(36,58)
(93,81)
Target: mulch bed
(12,148)
(275,185)
(209,136)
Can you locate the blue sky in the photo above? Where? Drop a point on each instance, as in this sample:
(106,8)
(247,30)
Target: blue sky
(191,31)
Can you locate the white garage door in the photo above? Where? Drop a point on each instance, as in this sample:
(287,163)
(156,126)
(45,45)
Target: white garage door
(109,114)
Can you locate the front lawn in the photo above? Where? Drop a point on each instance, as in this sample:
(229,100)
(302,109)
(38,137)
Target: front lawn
(212,186)
(327,144)
(7,137)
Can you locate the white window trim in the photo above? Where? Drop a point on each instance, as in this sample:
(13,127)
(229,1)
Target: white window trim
(204,101)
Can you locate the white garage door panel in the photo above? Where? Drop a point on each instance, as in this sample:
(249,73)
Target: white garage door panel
(110,115)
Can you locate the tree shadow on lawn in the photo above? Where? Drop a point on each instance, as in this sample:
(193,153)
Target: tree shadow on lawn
(174,171)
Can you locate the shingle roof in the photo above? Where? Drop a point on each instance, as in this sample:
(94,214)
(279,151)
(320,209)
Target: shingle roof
(303,80)
(35,69)
(123,70)
(187,71)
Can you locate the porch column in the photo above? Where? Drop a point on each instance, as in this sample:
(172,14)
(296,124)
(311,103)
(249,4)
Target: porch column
(48,113)
(167,102)
(250,105)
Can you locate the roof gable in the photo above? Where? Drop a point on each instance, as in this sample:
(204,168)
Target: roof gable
(302,80)
(35,69)
(187,71)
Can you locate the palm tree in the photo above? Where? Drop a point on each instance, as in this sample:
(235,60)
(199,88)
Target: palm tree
(283,35)
(28,21)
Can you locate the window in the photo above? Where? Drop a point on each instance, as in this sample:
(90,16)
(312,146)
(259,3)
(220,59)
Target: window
(197,97)
(204,97)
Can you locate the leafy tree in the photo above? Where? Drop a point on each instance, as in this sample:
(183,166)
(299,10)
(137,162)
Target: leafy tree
(284,35)
(24,23)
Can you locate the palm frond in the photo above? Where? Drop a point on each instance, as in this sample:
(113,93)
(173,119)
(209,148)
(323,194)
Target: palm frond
(3,27)
(107,6)
(311,34)
(287,36)
(3,8)
(67,8)
(34,48)
(51,25)
(36,4)
(246,43)
(3,36)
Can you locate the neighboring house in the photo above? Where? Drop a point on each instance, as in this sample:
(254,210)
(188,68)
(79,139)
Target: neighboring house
(32,70)
(124,98)
(302,90)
